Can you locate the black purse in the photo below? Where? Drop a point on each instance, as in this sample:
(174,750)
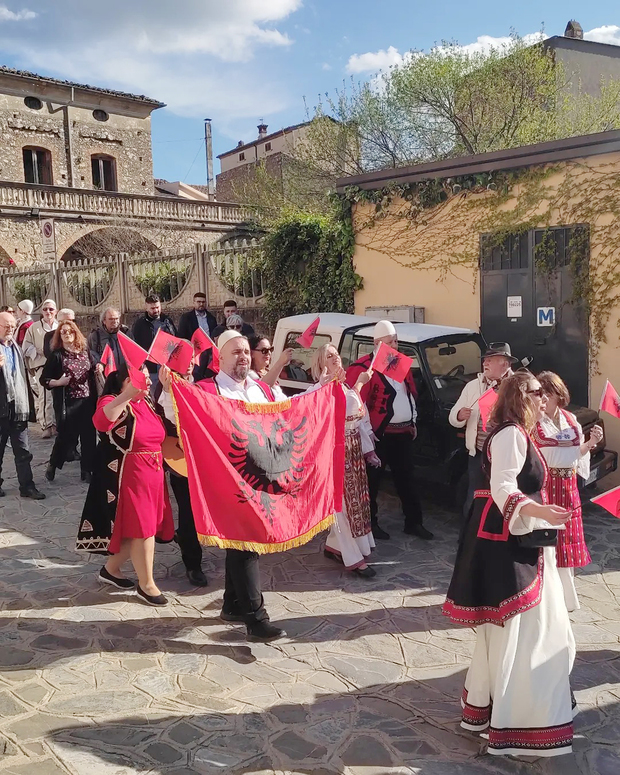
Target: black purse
(538,539)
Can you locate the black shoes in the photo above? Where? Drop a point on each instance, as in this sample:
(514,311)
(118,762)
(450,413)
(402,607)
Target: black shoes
(365,573)
(32,492)
(332,556)
(420,531)
(50,473)
(229,616)
(152,599)
(86,476)
(197,578)
(2,493)
(264,631)
(379,533)
(107,578)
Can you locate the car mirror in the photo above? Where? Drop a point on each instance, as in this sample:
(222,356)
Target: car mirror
(447,350)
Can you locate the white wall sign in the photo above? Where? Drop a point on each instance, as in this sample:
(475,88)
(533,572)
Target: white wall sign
(545,316)
(514,306)
(48,238)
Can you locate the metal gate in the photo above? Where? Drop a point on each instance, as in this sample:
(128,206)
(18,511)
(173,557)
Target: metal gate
(528,298)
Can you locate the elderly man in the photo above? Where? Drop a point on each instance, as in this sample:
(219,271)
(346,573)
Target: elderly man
(393,414)
(230,308)
(243,599)
(198,317)
(33,349)
(24,319)
(107,334)
(14,408)
(496,365)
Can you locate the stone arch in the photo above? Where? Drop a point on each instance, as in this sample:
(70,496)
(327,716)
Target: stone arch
(107,241)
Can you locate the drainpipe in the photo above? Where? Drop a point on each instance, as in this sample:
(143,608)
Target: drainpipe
(69,142)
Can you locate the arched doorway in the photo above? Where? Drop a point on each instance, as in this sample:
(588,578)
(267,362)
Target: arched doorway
(107,241)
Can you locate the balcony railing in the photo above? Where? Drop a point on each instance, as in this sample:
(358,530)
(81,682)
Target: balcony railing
(54,200)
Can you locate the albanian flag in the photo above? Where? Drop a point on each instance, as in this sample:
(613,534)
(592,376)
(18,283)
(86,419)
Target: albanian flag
(168,350)
(306,339)
(391,363)
(202,342)
(262,477)
(107,359)
(486,402)
(135,357)
(610,400)
(610,501)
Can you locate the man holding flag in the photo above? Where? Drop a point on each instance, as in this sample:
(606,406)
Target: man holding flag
(393,414)
(497,364)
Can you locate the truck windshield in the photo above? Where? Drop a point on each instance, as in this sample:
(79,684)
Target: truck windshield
(452,364)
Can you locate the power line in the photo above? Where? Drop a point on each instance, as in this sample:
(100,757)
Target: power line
(202,142)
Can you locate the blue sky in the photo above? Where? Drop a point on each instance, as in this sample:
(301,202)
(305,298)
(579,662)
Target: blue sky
(238,61)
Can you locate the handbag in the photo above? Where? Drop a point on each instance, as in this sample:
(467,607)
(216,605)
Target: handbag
(538,539)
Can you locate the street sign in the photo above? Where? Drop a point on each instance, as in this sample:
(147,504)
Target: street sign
(545,316)
(48,238)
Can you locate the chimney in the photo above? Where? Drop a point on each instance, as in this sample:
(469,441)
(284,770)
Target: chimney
(573,30)
(262,130)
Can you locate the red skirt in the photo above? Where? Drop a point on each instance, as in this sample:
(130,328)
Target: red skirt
(562,490)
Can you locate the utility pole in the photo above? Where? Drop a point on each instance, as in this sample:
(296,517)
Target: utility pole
(209,152)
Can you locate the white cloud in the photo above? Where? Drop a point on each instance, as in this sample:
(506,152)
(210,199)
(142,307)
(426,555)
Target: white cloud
(11,16)
(373,62)
(191,54)
(326,66)
(609,33)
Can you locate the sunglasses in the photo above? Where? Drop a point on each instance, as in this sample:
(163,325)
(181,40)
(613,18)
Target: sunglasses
(539,392)
(236,328)
(265,350)
(49,309)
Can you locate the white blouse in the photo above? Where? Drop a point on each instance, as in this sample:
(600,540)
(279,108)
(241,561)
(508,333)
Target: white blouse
(355,409)
(569,455)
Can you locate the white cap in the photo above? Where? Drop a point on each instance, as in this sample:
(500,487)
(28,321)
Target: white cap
(384,328)
(49,301)
(26,306)
(226,337)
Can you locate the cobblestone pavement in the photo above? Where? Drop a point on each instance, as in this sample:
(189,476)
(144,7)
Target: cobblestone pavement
(93,681)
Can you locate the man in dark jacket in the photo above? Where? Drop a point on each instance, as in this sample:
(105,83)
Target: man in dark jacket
(146,327)
(230,308)
(14,408)
(199,317)
(107,333)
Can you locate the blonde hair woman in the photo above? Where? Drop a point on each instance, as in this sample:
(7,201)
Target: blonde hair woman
(506,584)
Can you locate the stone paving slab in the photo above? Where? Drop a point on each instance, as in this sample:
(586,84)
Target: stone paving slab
(93,681)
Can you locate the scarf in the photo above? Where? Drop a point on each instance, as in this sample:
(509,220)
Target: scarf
(15,381)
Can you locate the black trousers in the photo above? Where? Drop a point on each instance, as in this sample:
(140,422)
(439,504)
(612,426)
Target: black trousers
(77,424)
(242,589)
(396,450)
(17,432)
(474,476)
(191,550)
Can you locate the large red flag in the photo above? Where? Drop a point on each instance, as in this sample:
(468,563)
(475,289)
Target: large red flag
(202,342)
(133,353)
(107,359)
(486,402)
(391,363)
(610,400)
(168,350)
(610,501)
(306,339)
(275,472)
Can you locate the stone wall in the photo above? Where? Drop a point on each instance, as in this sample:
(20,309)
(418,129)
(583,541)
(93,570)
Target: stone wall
(230,184)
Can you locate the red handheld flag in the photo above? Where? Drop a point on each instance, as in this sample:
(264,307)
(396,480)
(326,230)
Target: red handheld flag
(306,339)
(610,400)
(201,343)
(610,501)
(168,350)
(486,402)
(107,359)
(134,354)
(391,363)
(137,377)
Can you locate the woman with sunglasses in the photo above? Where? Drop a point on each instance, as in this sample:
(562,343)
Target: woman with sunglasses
(560,438)
(262,369)
(69,373)
(506,584)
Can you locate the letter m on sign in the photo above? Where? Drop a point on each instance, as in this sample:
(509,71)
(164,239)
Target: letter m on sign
(545,316)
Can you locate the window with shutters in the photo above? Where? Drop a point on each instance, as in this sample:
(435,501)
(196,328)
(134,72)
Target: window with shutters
(104,172)
(37,166)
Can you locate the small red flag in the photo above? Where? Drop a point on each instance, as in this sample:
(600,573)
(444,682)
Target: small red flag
(306,339)
(137,377)
(610,501)
(391,363)
(201,343)
(134,354)
(486,402)
(107,358)
(168,350)
(610,400)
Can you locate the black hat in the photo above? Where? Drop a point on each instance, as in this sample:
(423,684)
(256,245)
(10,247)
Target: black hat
(500,348)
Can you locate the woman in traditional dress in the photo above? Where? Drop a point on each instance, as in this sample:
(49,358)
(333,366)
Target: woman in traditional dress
(350,539)
(560,439)
(69,373)
(127,504)
(506,584)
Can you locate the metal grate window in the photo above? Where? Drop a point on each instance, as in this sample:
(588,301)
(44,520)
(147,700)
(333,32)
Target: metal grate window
(511,252)
(562,246)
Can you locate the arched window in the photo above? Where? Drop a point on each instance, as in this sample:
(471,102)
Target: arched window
(37,166)
(104,172)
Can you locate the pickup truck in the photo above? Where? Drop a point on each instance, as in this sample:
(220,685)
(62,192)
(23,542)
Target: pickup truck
(444,360)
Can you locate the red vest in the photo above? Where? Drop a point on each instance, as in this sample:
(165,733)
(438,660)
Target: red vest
(378,394)
(210,386)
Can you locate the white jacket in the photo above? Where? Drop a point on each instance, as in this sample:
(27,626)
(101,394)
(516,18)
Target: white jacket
(469,400)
